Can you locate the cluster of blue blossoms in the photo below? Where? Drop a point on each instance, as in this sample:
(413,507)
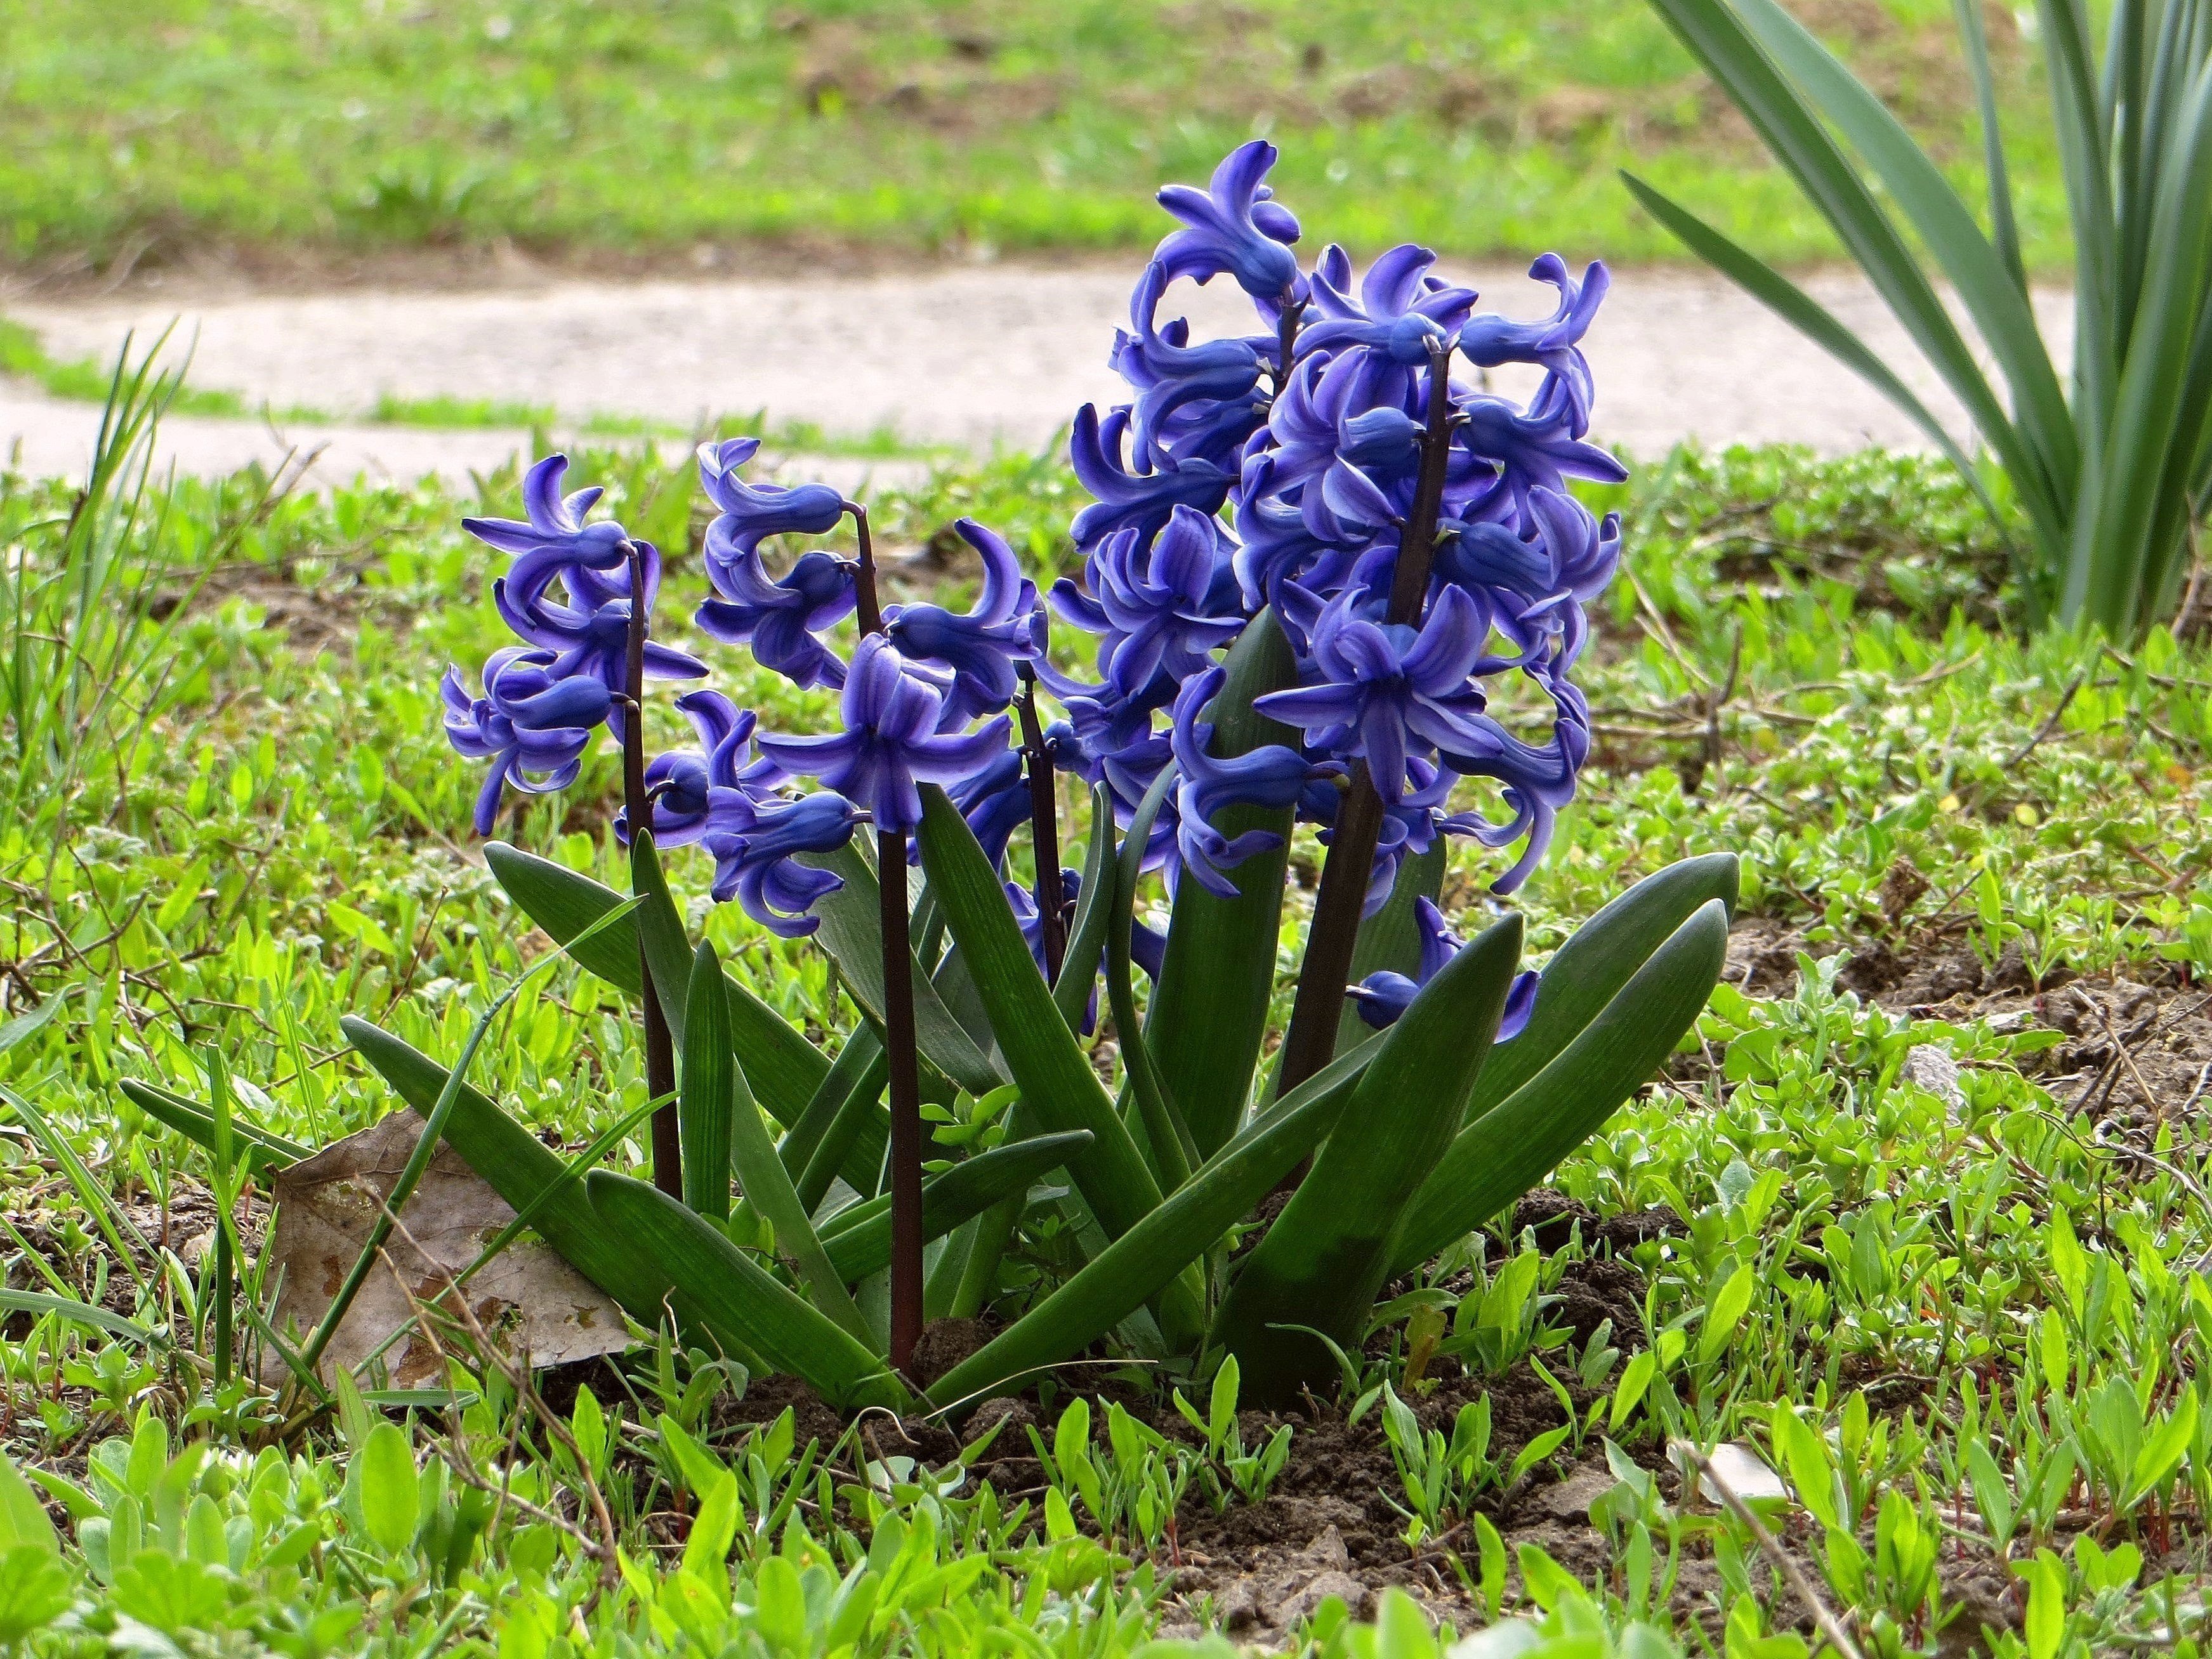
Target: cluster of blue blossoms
(1274,471)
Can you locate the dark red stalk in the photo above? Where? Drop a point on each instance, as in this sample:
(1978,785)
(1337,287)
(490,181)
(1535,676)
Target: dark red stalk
(660,1049)
(1044,830)
(898,1031)
(1310,1043)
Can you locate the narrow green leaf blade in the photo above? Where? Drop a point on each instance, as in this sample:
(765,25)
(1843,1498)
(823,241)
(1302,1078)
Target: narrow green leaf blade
(258,1148)
(667,947)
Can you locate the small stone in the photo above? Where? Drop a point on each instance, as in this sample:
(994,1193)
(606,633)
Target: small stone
(1302,1605)
(1929,1067)
(1569,1501)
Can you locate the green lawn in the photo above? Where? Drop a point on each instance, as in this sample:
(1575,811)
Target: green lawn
(1983,1304)
(635,132)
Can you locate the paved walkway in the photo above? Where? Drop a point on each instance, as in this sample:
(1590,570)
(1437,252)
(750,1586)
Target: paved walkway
(975,356)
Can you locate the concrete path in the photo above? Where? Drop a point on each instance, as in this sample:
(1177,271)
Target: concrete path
(970,356)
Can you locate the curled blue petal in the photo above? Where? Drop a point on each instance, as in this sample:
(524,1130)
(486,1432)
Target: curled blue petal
(981,646)
(1233,226)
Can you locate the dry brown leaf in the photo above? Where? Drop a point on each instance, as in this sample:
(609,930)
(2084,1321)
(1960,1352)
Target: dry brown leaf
(526,1297)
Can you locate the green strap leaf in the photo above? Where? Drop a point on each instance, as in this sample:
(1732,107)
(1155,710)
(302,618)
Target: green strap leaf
(782,1066)
(1510,1148)
(1323,1260)
(852,932)
(732,1295)
(667,946)
(1209,1012)
(730,1130)
(835,1121)
(1163,1246)
(1087,941)
(859,1237)
(1175,1154)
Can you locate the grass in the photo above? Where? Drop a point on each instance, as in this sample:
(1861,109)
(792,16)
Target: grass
(1967,1320)
(628,133)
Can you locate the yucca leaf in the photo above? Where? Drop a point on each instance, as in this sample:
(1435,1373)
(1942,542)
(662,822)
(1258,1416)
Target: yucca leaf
(2004,224)
(1809,318)
(1511,1148)
(1719,41)
(1327,1253)
(852,932)
(1209,1012)
(518,1168)
(1997,301)
(858,1237)
(1162,1247)
(782,1066)
(1059,1088)
(733,1296)
(2063,29)
(1601,956)
(257,1148)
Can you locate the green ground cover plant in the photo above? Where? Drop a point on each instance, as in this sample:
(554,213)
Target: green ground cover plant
(1811,663)
(625,134)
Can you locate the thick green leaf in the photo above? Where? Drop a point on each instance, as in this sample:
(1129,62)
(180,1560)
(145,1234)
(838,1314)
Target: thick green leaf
(2004,224)
(1058,1086)
(859,1237)
(732,1295)
(1188,1224)
(707,1102)
(1510,1148)
(257,1149)
(1390,940)
(1209,1012)
(834,1132)
(782,1066)
(518,1168)
(1086,940)
(730,1130)
(667,946)
(1174,1153)
(81,1313)
(852,932)
(1324,1258)
(1586,972)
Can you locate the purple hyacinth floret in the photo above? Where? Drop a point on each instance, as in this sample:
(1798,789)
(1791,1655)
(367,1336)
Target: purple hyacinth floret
(1383,998)
(1142,499)
(555,523)
(1234,226)
(1553,342)
(1379,689)
(982,646)
(532,723)
(893,740)
(757,843)
(1193,401)
(1400,310)
(1163,605)
(681,783)
(1271,775)
(777,616)
(1538,780)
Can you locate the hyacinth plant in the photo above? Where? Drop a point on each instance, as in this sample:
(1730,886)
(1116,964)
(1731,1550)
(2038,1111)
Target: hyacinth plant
(1314,563)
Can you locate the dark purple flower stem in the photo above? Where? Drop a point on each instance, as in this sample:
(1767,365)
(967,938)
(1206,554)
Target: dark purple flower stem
(1044,830)
(898,1029)
(659,1047)
(1310,1043)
